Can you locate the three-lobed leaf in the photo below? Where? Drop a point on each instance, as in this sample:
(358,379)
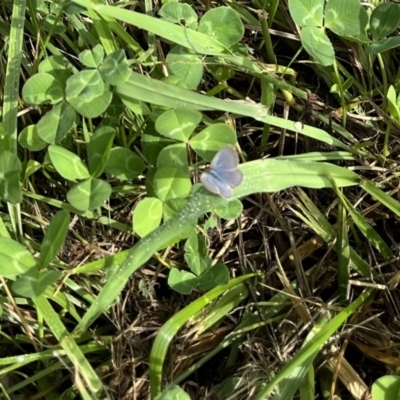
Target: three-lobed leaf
(89,194)
(174,156)
(124,164)
(115,68)
(223,24)
(178,124)
(92,58)
(42,88)
(170,183)
(212,139)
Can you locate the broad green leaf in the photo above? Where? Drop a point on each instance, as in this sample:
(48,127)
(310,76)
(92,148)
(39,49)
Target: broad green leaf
(42,88)
(143,88)
(10,170)
(30,168)
(212,139)
(175,156)
(386,387)
(86,85)
(318,45)
(149,182)
(307,12)
(55,62)
(115,68)
(385,19)
(272,175)
(54,238)
(67,164)
(53,24)
(344,17)
(117,107)
(171,183)
(34,282)
(153,143)
(173,392)
(230,210)
(57,66)
(182,282)
(223,24)
(187,67)
(383,45)
(178,124)
(147,216)
(99,149)
(29,139)
(214,276)
(392,103)
(124,164)
(86,92)
(55,125)
(173,207)
(196,254)
(179,13)
(15,259)
(92,58)
(195,41)
(89,194)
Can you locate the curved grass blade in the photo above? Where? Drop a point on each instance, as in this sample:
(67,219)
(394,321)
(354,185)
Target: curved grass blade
(172,326)
(319,339)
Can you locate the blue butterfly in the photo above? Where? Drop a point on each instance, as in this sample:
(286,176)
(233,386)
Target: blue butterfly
(223,174)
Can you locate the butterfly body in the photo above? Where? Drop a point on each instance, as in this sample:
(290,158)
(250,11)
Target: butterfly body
(224,174)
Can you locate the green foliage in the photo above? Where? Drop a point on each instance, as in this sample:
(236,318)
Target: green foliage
(342,17)
(386,387)
(119,111)
(202,274)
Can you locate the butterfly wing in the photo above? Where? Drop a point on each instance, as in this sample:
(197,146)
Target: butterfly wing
(232,177)
(215,185)
(224,174)
(226,159)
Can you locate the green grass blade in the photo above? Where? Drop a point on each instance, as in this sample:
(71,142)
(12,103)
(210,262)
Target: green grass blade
(343,252)
(143,88)
(11,87)
(366,229)
(289,386)
(172,326)
(381,196)
(319,339)
(259,176)
(193,40)
(74,353)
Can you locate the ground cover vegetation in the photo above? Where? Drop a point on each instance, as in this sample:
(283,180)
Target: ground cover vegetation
(122,276)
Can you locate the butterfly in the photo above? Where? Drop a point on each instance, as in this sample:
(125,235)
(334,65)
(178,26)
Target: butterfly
(223,175)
